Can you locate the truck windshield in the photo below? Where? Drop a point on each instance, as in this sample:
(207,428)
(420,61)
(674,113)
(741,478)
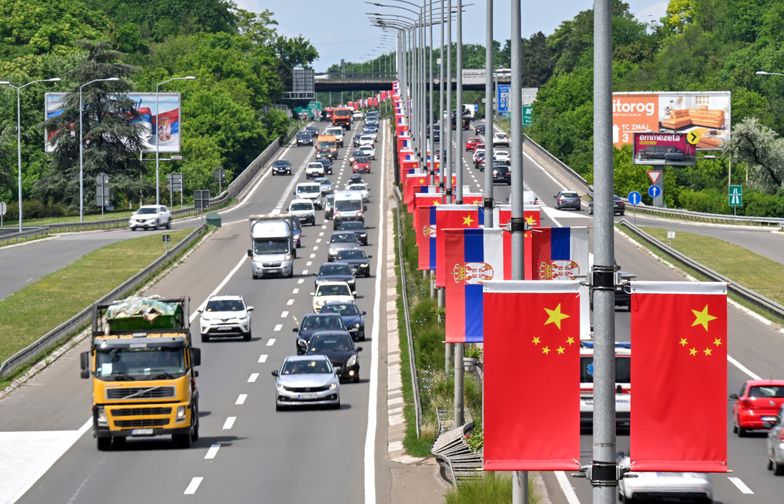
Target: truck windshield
(348,205)
(326,146)
(270,246)
(149,363)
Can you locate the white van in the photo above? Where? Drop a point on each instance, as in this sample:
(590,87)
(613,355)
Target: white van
(337,131)
(272,246)
(309,191)
(348,207)
(623,386)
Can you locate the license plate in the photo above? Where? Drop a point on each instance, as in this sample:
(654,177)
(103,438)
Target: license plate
(224,328)
(768,419)
(141,432)
(306,396)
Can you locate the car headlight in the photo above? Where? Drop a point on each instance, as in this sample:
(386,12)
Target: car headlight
(280,387)
(357,325)
(333,386)
(287,257)
(101,417)
(333,251)
(364,265)
(352,361)
(180,413)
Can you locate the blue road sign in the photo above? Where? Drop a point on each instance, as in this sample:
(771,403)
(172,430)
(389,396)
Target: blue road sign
(654,191)
(634,198)
(502,99)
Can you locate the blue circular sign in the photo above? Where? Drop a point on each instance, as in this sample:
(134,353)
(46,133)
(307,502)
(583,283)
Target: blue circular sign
(654,191)
(634,198)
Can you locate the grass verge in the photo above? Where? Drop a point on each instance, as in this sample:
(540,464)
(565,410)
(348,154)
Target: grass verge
(491,489)
(34,310)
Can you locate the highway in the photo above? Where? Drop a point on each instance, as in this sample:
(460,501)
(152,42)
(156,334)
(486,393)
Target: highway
(247,451)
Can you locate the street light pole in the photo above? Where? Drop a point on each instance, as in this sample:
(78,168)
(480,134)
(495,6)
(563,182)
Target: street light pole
(488,178)
(81,149)
(157,133)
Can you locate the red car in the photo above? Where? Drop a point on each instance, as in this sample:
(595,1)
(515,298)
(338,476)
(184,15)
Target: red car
(361,165)
(472,142)
(757,405)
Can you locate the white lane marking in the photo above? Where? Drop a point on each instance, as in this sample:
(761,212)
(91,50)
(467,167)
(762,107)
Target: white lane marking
(370,434)
(304,272)
(193,485)
(566,487)
(309,263)
(321,233)
(318,240)
(262,358)
(289,302)
(271,341)
(284,314)
(212,452)
(315,247)
(744,489)
(229,423)
(323,226)
(295,291)
(241,399)
(219,287)
(743,369)
(301,281)
(253,377)
(277,327)
(312,256)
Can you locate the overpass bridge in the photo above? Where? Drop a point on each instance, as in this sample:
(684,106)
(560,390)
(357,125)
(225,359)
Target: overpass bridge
(330,83)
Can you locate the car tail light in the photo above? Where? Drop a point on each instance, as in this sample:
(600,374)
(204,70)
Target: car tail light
(746,404)
(781,435)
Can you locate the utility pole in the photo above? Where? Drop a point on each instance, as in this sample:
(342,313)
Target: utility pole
(430,98)
(459,347)
(446,170)
(488,178)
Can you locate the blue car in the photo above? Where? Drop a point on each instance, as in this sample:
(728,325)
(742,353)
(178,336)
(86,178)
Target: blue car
(353,317)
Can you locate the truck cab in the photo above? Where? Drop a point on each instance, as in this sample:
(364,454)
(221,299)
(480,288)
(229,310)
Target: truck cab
(141,361)
(327,144)
(272,249)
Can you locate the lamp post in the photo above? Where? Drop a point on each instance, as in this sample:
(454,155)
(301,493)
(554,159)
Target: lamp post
(81,150)
(762,72)
(19,136)
(158,136)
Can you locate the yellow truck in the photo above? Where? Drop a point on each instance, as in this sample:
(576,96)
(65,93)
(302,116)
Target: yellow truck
(326,146)
(141,362)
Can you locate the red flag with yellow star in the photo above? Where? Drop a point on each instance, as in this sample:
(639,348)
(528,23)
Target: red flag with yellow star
(412,180)
(679,377)
(532,375)
(456,217)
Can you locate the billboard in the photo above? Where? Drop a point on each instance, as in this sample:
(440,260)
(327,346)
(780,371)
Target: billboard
(663,149)
(168,120)
(704,114)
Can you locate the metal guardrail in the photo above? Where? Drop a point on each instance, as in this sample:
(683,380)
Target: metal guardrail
(81,319)
(15,237)
(744,293)
(409,336)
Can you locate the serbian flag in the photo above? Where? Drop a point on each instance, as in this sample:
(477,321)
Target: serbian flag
(532,345)
(473,256)
(559,253)
(432,197)
(453,217)
(502,214)
(425,230)
(679,338)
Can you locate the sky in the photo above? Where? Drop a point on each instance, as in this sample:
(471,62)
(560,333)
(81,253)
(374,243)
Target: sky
(345,32)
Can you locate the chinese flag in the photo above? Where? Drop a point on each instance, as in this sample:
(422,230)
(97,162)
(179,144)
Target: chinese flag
(679,377)
(425,229)
(452,216)
(428,198)
(502,214)
(532,350)
(412,180)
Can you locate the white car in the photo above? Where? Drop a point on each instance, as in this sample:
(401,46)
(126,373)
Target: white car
(361,188)
(502,156)
(150,217)
(225,316)
(476,154)
(368,151)
(314,169)
(367,139)
(303,210)
(501,139)
(331,291)
(309,191)
(357,116)
(664,485)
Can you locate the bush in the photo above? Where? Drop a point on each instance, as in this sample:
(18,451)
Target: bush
(493,488)
(35,209)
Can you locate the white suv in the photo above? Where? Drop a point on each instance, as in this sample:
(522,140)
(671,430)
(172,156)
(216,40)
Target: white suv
(314,169)
(303,210)
(225,316)
(150,217)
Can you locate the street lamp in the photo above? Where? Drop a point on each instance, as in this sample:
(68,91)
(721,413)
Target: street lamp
(158,135)
(19,135)
(81,151)
(762,72)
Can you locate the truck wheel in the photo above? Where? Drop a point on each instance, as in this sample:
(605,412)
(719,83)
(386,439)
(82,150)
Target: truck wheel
(182,440)
(195,415)
(104,443)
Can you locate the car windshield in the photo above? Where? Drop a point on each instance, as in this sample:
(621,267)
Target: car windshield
(334,269)
(766,391)
(332,342)
(139,363)
(221,305)
(281,163)
(362,160)
(348,205)
(147,210)
(341,308)
(270,246)
(569,195)
(343,238)
(356,187)
(333,290)
(353,226)
(309,188)
(301,206)
(315,366)
(351,254)
(322,323)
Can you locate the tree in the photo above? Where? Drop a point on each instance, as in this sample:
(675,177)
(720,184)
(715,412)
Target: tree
(762,150)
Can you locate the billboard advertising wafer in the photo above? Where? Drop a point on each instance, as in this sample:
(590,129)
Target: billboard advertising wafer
(663,149)
(704,114)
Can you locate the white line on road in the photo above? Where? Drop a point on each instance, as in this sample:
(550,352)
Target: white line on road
(304,272)
(270,341)
(262,358)
(241,399)
(219,287)
(278,327)
(301,280)
(295,291)
(744,489)
(321,233)
(567,488)
(284,314)
(312,256)
(315,247)
(289,302)
(212,451)
(309,263)
(229,423)
(318,240)
(748,372)
(193,485)
(253,377)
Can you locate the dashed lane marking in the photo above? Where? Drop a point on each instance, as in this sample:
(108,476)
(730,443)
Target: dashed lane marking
(278,327)
(289,302)
(744,489)
(301,281)
(262,358)
(295,291)
(229,423)
(241,399)
(309,263)
(304,272)
(270,341)
(213,451)
(253,377)
(284,314)
(193,485)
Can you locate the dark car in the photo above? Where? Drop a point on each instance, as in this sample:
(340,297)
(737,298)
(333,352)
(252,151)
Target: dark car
(479,129)
(281,167)
(314,131)
(329,206)
(327,162)
(358,228)
(355,178)
(313,323)
(502,174)
(619,205)
(304,138)
(567,199)
(296,232)
(358,260)
(361,165)
(352,316)
(479,161)
(339,348)
(340,240)
(332,271)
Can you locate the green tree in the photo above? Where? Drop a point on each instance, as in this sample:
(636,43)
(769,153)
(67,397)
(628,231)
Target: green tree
(762,150)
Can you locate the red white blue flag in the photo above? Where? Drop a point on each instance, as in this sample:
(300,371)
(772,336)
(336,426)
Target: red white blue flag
(559,253)
(425,219)
(455,217)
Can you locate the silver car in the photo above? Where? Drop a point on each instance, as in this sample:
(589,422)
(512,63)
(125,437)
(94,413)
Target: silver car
(341,240)
(306,380)
(775,445)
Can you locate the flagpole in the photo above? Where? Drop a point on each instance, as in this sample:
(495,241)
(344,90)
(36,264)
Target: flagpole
(603,467)
(446,171)
(517,223)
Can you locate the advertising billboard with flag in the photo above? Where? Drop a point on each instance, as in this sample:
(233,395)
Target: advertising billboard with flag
(473,256)
(680,386)
(531,350)
(453,216)
(425,230)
